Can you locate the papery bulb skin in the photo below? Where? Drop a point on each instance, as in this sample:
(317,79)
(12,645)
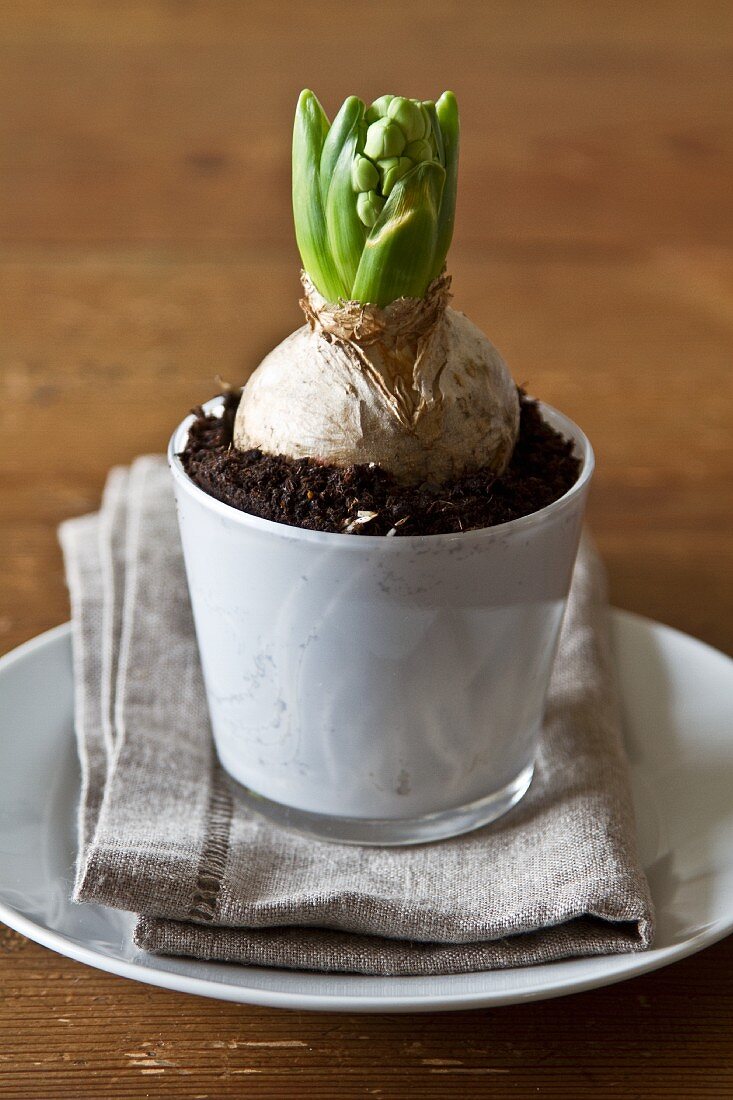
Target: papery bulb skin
(427,407)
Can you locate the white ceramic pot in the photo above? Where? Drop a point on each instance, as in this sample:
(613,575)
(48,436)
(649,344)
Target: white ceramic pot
(371,689)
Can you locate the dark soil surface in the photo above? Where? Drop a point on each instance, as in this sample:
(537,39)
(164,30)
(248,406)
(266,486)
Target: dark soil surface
(366,500)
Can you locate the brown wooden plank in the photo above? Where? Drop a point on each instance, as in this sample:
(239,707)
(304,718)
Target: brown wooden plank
(147,246)
(161,122)
(76,1032)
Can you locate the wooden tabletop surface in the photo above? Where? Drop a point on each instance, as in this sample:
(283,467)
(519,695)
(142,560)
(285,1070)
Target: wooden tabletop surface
(147,247)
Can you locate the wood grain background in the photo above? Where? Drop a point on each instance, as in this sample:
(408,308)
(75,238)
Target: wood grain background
(147,246)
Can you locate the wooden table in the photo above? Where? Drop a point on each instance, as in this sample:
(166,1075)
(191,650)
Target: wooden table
(144,211)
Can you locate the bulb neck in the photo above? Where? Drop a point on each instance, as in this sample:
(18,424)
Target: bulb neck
(404,321)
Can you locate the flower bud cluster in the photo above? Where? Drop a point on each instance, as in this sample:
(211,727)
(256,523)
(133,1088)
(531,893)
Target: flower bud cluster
(398,135)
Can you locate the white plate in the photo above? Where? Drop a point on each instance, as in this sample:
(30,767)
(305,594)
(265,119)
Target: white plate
(678,700)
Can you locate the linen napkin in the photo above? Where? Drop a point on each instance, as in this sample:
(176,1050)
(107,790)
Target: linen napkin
(162,833)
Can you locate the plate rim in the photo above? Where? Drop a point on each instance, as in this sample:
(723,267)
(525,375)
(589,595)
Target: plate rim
(628,965)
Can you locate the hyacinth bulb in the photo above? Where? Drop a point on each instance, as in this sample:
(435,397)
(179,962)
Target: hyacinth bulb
(383,371)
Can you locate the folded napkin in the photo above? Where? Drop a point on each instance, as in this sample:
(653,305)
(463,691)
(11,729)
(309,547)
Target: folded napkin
(161,832)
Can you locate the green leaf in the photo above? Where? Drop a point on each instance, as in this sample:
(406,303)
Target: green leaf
(435,129)
(398,256)
(309,135)
(346,233)
(450,131)
(352,111)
